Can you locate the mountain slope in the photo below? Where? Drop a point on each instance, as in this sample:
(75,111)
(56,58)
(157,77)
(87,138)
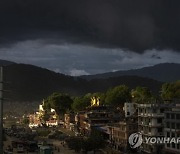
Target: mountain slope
(5,63)
(166,72)
(31,83)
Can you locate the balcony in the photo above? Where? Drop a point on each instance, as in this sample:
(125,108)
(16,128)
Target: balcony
(160,134)
(141,114)
(155,114)
(155,125)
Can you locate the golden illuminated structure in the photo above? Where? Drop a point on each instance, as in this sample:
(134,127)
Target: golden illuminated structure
(95,101)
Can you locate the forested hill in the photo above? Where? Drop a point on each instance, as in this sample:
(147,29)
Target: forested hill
(5,63)
(165,72)
(30,83)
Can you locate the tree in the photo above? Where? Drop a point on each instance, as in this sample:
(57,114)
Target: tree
(45,117)
(47,105)
(75,143)
(26,121)
(80,103)
(96,140)
(60,102)
(170,91)
(141,95)
(87,145)
(118,96)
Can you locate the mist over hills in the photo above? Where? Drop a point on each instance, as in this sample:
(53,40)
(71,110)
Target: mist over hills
(32,83)
(165,72)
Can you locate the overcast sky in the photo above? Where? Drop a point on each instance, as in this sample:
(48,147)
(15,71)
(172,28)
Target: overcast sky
(89,37)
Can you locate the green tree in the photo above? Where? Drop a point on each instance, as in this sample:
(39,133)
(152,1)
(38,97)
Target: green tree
(45,117)
(47,105)
(75,143)
(60,102)
(97,140)
(26,121)
(118,96)
(80,103)
(170,91)
(94,142)
(141,95)
(87,145)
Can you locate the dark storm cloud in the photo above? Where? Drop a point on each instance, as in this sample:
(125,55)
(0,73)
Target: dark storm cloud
(135,25)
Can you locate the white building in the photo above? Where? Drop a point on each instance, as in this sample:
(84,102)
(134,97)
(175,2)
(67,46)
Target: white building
(129,109)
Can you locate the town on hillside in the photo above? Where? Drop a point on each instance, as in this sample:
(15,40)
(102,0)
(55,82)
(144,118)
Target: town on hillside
(121,122)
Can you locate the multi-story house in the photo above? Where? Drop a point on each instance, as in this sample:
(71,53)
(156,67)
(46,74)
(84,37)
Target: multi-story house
(130,109)
(79,122)
(37,119)
(97,116)
(150,124)
(69,121)
(172,129)
(120,132)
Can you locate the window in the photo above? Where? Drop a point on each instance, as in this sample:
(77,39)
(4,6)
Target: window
(172,134)
(162,110)
(168,134)
(178,146)
(154,111)
(172,116)
(123,128)
(167,115)
(168,125)
(173,125)
(159,130)
(178,126)
(173,145)
(159,121)
(178,116)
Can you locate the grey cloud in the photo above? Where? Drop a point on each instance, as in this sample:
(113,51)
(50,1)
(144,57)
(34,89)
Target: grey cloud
(80,59)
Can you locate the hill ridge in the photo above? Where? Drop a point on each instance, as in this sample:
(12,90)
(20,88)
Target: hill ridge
(164,72)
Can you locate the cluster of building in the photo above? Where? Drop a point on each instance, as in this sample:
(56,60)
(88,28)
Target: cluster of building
(116,125)
(38,118)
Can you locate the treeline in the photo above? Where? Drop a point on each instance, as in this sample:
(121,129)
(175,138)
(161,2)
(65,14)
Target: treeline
(115,97)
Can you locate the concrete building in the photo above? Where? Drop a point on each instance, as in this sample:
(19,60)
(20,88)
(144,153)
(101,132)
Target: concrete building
(172,128)
(120,132)
(150,124)
(129,109)
(69,121)
(97,116)
(36,119)
(79,123)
